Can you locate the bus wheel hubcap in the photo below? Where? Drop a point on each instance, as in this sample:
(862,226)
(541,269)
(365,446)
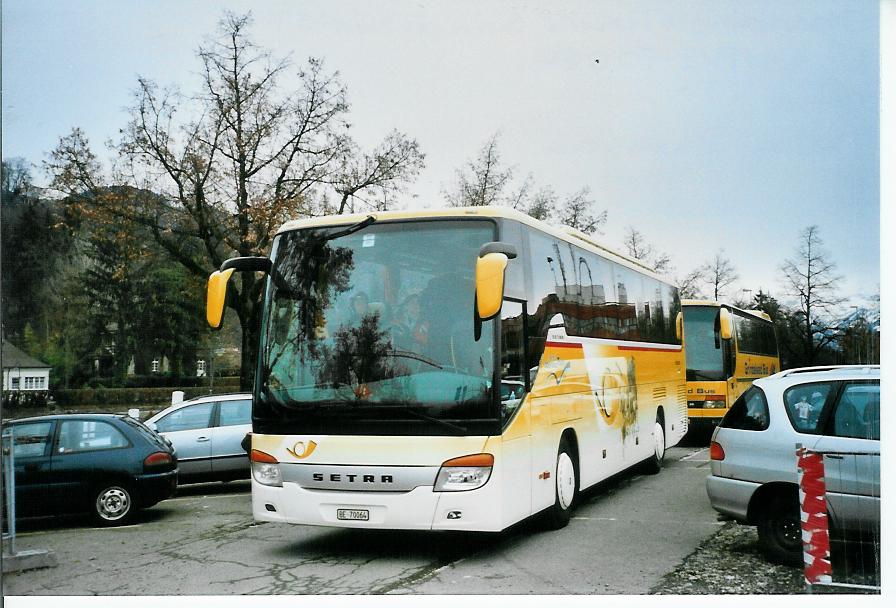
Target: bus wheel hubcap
(566,480)
(659,441)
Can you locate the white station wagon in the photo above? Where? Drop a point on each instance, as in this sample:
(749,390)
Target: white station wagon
(833,410)
(207,433)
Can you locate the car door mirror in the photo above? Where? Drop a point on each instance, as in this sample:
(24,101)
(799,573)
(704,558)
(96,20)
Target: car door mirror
(152,426)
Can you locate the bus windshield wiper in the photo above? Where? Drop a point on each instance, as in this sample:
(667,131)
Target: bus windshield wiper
(351,229)
(423,416)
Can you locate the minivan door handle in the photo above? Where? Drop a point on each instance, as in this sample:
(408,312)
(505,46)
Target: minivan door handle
(201,439)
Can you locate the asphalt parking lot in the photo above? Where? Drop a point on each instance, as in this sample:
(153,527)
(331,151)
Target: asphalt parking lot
(625,537)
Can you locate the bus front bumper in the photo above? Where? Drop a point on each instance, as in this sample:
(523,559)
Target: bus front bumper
(418,509)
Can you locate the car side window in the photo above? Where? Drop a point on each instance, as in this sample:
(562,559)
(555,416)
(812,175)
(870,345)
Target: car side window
(235,412)
(748,413)
(186,418)
(804,404)
(857,412)
(89,435)
(31,439)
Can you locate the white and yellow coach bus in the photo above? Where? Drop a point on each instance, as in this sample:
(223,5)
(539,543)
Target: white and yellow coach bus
(457,369)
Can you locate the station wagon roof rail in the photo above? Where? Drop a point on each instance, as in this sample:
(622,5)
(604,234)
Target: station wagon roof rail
(826,368)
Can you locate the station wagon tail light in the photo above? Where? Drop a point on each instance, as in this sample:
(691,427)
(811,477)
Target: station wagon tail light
(464,473)
(716,452)
(266,469)
(157,460)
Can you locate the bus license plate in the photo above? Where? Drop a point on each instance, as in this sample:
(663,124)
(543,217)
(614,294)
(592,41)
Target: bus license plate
(353,514)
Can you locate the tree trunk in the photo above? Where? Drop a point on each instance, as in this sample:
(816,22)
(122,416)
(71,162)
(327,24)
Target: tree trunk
(248,350)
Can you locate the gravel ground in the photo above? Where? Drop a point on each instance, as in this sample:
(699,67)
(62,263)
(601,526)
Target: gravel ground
(731,563)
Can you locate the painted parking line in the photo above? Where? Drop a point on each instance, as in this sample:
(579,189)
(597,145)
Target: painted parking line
(204,497)
(703,453)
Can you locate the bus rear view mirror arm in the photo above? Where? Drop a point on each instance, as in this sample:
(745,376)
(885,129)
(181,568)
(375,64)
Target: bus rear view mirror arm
(498,247)
(216,292)
(490,267)
(248,264)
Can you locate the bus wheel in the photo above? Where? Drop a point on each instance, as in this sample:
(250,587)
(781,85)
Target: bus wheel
(654,463)
(566,486)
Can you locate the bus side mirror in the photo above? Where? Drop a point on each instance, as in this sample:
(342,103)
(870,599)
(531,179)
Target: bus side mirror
(214,297)
(679,326)
(726,329)
(490,267)
(216,291)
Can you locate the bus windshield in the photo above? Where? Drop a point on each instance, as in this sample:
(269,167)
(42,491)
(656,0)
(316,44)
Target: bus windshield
(371,331)
(703,346)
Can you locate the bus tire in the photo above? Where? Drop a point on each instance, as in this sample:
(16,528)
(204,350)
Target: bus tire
(654,464)
(566,487)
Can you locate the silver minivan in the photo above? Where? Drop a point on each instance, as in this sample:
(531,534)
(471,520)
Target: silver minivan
(831,410)
(206,432)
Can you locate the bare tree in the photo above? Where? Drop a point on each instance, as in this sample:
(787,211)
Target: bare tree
(720,273)
(481,181)
(578,212)
(540,205)
(810,277)
(689,284)
(638,247)
(247,156)
(486,181)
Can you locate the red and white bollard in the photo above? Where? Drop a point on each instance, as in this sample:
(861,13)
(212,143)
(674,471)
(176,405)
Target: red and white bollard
(813,517)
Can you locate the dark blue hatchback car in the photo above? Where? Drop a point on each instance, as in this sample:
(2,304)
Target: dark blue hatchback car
(107,465)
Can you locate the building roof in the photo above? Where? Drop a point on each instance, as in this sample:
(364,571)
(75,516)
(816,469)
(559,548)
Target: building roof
(15,357)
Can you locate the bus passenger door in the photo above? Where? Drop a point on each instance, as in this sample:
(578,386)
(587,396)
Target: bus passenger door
(544,452)
(516,408)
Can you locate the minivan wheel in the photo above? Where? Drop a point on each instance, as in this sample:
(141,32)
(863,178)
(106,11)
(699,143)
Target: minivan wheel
(113,505)
(780,533)
(566,486)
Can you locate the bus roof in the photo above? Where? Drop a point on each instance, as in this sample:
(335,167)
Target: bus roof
(563,232)
(756,313)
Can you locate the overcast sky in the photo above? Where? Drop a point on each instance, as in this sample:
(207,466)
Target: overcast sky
(706,125)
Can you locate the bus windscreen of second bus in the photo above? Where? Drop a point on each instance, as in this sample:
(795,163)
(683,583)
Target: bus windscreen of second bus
(703,346)
(373,333)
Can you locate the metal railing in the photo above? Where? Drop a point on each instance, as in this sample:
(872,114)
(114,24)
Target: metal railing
(9,492)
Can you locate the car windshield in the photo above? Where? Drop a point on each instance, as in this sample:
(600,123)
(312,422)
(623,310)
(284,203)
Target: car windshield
(703,346)
(372,331)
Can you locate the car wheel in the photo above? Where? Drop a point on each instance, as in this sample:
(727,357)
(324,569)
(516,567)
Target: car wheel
(780,534)
(113,505)
(654,464)
(566,487)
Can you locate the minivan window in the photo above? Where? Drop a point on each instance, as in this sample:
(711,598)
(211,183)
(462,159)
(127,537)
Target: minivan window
(235,412)
(748,413)
(857,413)
(186,418)
(804,403)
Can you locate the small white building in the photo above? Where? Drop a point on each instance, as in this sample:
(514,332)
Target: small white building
(22,372)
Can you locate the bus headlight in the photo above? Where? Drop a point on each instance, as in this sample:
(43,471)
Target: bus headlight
(266,469)
(464,473)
